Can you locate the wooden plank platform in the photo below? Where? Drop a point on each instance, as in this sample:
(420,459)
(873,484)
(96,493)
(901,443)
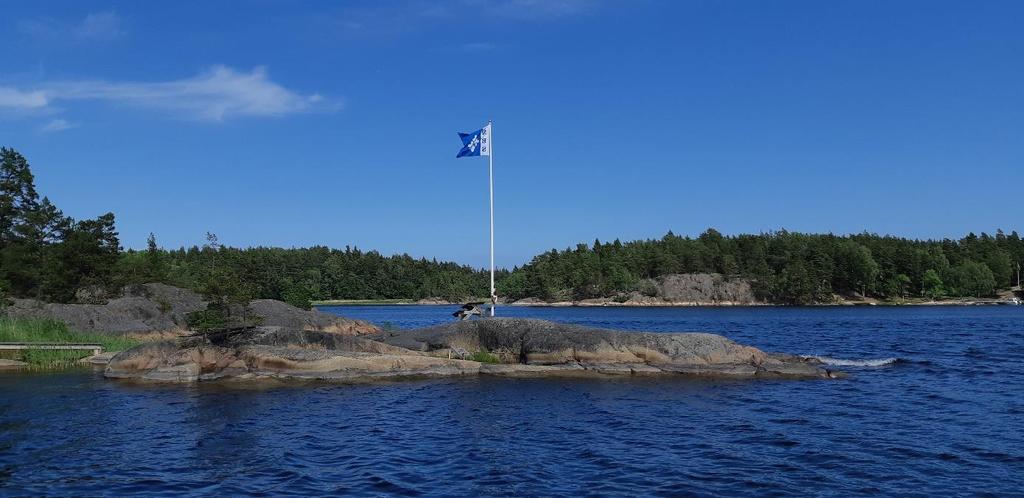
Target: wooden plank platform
(95,348)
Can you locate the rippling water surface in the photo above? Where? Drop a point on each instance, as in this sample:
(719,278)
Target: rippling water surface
(935,406)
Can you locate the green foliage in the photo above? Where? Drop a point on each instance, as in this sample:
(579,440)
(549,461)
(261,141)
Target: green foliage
(155,267)
(299,276)
(783,267)
(87,256)
(207,320)
(4,300)
(227,296)
(896,286)
(971,278)
(299,296)
(931,285)
(515,284)
(796,284)
(1002,268)
(484,357)
(42,252)
(23,330)
(855,269)
(52,357)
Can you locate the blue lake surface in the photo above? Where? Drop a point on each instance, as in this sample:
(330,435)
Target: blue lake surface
(941,413)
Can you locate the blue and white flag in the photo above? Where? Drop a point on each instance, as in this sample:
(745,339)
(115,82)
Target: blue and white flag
(477,143)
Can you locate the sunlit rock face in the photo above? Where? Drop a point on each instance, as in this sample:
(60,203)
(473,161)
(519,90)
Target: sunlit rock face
(501,346)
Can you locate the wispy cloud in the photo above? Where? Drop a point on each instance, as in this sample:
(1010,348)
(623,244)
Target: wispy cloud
(391,18)
(98,26)
(218,94)
(57,125)
(15,99)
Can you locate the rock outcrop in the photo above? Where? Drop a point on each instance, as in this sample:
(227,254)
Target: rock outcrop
(150,311)
(142,309)
(683,289)
(710,288)
(281,314)
(517,347)
(276,352)
(539,342)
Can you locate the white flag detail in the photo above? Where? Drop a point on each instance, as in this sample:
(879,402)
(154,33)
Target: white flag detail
(485,140)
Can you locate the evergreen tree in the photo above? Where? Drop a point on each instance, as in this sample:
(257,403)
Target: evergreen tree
(156,270)
(86,257)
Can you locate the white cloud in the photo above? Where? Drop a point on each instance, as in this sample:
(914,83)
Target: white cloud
(16,99)
(57,125)
(215,95)
(98,26)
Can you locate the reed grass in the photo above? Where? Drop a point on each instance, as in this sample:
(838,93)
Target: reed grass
(36,330)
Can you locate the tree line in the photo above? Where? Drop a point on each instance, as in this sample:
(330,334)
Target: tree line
(783,267)
(47,255)
(299,276)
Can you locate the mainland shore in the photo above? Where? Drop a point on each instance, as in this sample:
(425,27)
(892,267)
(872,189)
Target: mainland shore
(612,302)
(687,290)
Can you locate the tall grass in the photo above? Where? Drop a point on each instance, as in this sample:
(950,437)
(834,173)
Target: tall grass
(484,357)
(32,330)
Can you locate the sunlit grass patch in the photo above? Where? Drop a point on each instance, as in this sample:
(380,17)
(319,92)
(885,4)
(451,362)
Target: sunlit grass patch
(52,331)
(484,357)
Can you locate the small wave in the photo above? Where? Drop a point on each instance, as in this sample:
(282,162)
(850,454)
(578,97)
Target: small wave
(840,362)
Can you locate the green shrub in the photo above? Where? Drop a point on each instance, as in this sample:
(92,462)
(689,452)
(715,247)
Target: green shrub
(298,296)
(206,320)
(484,357)
(52,357)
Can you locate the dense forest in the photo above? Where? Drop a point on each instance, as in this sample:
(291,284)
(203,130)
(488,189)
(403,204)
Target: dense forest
(301,275)
(783,267)
(47,255)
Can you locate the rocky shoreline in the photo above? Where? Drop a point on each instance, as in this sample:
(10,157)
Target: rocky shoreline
(658,303)
(499,346)
(727,304)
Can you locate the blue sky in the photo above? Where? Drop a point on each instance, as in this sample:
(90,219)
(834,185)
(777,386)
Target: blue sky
(334,123)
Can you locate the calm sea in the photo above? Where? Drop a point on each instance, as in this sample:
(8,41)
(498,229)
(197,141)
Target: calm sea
(935,406)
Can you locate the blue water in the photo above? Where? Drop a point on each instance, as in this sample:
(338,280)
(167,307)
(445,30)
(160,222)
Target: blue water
(946,417)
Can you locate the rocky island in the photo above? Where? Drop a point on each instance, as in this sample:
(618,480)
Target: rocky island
(495,346)
(289,342)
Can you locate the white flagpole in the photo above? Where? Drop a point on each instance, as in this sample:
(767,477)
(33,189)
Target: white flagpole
(490,179)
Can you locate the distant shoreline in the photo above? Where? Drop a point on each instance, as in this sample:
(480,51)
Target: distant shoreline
(665,304)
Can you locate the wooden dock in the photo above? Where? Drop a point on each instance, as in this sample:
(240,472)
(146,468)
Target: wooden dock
(14,346)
